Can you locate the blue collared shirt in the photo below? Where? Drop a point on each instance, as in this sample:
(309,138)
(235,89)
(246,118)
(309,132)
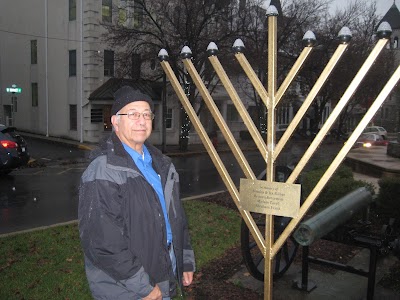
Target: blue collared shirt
(144,163)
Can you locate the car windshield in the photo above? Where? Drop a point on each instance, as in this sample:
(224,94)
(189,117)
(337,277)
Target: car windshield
(6,129)
(368,137)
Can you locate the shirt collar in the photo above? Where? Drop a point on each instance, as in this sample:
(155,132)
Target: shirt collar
(136,156)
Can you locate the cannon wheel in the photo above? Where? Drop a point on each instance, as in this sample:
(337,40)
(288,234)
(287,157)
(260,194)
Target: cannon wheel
(253,258)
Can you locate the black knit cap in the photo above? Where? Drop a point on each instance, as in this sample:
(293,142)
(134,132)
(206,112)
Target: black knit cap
(126,95)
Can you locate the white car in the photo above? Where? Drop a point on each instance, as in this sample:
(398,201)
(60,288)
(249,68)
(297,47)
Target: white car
(376,129)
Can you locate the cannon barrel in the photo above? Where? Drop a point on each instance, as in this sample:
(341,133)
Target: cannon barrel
(331,217)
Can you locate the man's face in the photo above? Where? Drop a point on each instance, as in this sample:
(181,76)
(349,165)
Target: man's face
(133,132)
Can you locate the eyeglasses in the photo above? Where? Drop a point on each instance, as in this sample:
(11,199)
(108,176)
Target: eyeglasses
(134,115)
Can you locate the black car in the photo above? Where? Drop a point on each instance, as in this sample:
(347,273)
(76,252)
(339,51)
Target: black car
(13,150)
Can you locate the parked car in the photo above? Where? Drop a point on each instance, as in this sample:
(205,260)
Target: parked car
(376,129)
(13,150)
(368,140)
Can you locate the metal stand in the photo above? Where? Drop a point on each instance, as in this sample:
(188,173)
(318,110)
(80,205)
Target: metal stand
(305,284)
(371,244)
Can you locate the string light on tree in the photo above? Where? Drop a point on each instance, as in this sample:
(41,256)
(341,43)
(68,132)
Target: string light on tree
(186,124)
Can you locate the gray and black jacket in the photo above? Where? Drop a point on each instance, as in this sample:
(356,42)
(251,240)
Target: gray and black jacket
(122,227)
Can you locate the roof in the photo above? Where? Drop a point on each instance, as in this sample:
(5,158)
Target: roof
(392,17)
(106,90)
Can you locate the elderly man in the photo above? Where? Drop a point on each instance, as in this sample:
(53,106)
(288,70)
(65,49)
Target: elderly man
(132,224)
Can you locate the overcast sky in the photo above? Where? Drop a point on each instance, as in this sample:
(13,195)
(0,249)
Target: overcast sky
(381,5)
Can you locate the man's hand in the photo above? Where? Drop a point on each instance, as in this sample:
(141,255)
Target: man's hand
(155,294)
(187,278)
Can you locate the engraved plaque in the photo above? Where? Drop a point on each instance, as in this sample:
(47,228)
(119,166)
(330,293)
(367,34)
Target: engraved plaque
(272,198)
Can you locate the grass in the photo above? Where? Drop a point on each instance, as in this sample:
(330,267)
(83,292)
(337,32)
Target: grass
(48,264)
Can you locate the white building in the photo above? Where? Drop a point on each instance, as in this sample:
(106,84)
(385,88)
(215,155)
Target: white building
(52,51)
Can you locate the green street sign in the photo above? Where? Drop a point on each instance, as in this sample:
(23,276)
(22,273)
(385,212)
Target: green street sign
(14,89)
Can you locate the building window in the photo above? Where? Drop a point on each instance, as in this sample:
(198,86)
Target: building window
(106,11)
(153,64)
(136,66)
(96,115)
(208,71)
(102,115)
(387,112)
(137,14)
(72,62)
(73,117)
(396,43)
(108,63)
(33,52)
(168,118)
(231,113)
(35,94)
(72,10)
(130,13)
(124,13)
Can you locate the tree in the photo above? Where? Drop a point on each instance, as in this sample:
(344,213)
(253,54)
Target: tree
(148,26)
(298,17)
(295,18)
(361,18)
(144,27)
(153,25)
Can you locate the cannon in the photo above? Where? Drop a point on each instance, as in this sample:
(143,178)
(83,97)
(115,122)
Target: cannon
(332,224)
(331,217)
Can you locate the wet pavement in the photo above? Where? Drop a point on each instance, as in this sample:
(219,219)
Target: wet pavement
(46,194)
(38,197)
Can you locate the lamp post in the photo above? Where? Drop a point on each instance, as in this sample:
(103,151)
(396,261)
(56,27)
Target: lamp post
(164,113)
(163,55)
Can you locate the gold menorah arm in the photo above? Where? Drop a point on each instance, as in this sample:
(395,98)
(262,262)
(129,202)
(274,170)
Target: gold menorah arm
(270,168)
(237,152)
(292,74)
(255,134)
(394,79)
(255,81)
(338,109)
(214,155)
(310,98)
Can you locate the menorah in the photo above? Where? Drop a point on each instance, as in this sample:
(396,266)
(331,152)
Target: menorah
(287,203)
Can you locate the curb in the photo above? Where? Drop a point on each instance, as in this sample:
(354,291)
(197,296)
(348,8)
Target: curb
(85,147)
(37,228)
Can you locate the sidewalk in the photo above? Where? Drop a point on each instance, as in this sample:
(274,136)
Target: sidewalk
(373,162)
(329,286)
